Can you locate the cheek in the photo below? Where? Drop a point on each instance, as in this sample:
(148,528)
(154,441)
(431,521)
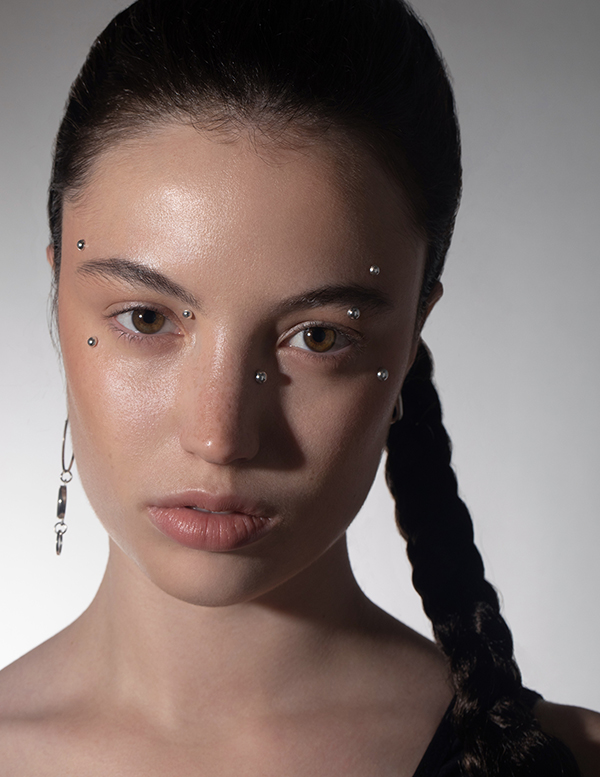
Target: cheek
(117,411)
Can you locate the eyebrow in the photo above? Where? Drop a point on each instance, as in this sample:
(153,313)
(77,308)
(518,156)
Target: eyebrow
(137,274)
(364,297)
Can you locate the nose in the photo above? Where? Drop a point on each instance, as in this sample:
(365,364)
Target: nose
(221,407)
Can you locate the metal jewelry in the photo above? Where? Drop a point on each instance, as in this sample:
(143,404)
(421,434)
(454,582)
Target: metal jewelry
(92,342)
(383,374)
(81,244)
(260,377)
(354,313)
(187,314)
(60,527)
(374,269)
(398,410)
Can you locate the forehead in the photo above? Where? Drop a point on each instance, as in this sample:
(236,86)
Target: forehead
(179,195)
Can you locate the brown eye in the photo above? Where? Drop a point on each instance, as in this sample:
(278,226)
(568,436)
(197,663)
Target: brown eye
(147,321)
(319,339)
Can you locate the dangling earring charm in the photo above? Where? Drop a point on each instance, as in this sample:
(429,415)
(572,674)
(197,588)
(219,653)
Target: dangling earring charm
(60,527)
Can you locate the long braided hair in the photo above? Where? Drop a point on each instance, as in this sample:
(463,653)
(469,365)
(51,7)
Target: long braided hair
(370,70)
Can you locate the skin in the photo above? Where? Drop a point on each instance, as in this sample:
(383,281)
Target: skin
(266,659)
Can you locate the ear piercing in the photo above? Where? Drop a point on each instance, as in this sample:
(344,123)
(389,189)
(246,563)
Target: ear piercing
(92,342)
(260,377)
(374,269)
(81,244)
(382,374)
(187,314)
(354,313)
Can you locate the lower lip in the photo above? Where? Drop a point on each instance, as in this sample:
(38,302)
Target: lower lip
(209,531)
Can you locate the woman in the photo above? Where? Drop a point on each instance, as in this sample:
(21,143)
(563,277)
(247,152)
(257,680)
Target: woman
(250,209)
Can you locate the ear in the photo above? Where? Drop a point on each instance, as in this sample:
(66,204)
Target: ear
(431,301)
(50,256)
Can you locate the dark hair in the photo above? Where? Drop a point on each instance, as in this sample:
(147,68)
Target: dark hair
(367,69)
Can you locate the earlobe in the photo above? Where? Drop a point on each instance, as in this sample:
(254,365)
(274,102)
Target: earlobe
(50,256)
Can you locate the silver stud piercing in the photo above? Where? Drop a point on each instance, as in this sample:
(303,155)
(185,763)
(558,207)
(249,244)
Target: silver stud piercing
(383,374)
(260,377)
(60,527)
(92,342)
(187,314)
(374,269)
(81,244)
(354,313)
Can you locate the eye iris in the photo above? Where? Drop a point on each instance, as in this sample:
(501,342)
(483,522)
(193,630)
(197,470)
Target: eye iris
(319,339)
(149,322)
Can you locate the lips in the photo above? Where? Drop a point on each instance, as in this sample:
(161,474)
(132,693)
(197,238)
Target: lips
(202,521)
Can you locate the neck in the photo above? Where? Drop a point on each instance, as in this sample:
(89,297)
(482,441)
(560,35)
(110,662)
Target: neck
(245,656)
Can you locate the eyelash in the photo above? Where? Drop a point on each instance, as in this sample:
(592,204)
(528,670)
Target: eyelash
(355,341)
(139,337)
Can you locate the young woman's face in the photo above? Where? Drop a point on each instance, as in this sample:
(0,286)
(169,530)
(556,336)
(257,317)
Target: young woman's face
(218,486)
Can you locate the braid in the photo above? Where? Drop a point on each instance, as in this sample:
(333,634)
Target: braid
(499,733)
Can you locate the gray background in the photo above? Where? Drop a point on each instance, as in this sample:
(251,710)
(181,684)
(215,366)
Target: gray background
(515,338)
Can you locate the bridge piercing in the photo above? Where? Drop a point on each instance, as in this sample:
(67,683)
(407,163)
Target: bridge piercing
(92,342)
(260,377)
(354,313)
(81,244)
(383,374)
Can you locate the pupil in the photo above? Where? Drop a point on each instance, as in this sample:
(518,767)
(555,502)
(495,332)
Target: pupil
(318,335)
(148,316)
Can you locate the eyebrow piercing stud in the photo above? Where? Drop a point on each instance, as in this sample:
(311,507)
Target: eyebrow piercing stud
(354,313)
(382,374)
(92,342)
(81,244)
(260,377)
(374,269)
(187,314)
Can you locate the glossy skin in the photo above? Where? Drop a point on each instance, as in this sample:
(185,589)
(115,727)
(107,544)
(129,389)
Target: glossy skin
(257,659)
(180,410)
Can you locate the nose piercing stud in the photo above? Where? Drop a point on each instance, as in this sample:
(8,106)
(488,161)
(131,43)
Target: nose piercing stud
(383,374)
(81,244)
(354,313)
(260,377)
(374,269)
(92,342)
(187,314)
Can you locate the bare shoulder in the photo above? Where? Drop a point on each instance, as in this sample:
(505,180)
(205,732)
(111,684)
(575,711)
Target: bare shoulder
(578,728)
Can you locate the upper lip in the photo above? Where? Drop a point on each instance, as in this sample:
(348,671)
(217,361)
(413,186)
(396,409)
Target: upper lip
(213,503)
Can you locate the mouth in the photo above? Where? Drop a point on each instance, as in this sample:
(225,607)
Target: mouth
(202,521)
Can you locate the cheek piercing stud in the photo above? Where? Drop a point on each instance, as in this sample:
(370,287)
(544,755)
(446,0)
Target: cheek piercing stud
(81,244)
(374,269)
(260,377)
(92,342)
(383,374)
(187,314)
(354,313)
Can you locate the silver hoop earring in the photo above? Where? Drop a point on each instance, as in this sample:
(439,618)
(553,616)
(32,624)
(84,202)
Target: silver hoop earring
(66,476)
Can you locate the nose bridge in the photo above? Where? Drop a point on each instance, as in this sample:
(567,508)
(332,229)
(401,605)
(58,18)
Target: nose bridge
(221,418)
